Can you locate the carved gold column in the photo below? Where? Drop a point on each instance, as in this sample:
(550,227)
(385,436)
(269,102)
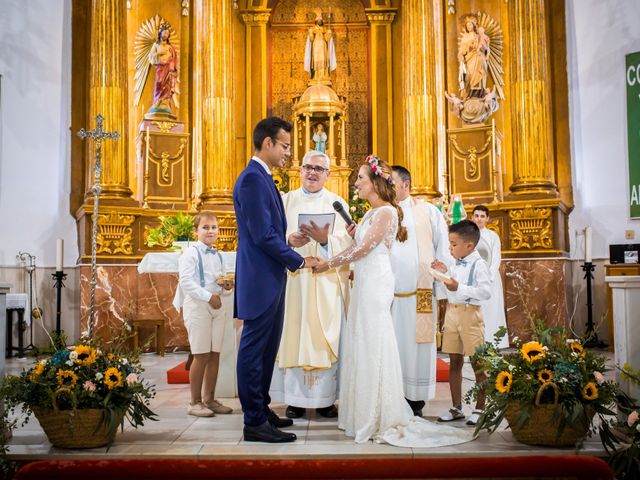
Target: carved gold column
(420,44)
(213,141)
(531,118)
(256,89)
(108,93)
(381,81)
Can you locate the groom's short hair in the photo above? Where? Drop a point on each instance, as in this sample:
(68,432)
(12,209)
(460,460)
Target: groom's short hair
(269,128)
(467,230)
(403,173)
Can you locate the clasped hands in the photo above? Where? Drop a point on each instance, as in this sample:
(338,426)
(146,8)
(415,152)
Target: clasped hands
(317,264)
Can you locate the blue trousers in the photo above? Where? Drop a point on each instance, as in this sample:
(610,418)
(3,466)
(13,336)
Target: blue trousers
(256,359)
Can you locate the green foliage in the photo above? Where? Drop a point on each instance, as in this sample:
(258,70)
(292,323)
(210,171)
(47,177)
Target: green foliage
(281,179)
(357,206)
(89,375)
(549,357)
(172,229)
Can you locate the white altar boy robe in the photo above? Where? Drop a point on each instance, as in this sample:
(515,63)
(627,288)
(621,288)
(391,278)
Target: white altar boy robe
(493,309)
(418,360)
(305,374)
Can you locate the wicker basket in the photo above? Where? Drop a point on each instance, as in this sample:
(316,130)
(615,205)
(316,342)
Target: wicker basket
(542,428)
(76,428)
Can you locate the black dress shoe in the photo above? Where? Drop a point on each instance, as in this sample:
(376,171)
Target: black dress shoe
(417,413)
(278,422)
(267,433)
(328,412)
(295,412)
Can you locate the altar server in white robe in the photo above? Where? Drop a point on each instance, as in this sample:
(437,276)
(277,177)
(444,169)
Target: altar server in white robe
(315,304)
(414,308)
(489,249)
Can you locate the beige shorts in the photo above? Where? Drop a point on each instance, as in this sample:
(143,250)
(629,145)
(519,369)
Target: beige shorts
(205,326)
(463,329)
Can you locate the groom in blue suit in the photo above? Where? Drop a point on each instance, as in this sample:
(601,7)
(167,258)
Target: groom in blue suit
(261,263)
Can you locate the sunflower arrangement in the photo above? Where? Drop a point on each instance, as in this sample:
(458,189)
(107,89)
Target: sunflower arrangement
(549,364)
(83,376)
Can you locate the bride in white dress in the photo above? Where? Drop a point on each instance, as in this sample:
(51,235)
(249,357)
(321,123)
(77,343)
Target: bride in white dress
(372,403)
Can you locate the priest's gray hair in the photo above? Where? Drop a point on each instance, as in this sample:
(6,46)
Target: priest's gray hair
(316,153)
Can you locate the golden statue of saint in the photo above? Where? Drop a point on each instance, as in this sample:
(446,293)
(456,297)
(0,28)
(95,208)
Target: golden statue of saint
(320,53)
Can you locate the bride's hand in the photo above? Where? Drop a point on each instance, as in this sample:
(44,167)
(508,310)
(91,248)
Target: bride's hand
(351,230)
(321,267)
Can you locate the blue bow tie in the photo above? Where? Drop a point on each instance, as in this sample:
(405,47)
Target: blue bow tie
(210,250)
(461,262)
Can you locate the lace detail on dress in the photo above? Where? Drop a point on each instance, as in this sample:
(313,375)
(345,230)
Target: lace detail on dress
(378,227)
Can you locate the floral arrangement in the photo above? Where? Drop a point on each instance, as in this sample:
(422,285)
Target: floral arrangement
(374,163)
(281,179)
(577,375)
(83,376)
(357,206)
(172,229)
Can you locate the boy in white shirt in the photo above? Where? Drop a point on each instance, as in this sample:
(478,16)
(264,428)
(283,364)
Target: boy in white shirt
(199,294)
(463,332)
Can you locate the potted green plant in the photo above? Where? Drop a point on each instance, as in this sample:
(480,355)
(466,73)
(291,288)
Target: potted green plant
(174,231)
(80,394)
(548,390)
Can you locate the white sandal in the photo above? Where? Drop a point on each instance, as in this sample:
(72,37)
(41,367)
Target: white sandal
(474,417)
(454,413)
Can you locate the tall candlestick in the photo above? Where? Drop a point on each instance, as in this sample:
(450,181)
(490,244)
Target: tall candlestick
(587,244)
(146,154)
(59,254)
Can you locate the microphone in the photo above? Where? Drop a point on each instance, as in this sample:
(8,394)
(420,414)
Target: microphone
(337,206)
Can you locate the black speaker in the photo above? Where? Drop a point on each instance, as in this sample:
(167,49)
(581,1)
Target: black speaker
(616,252)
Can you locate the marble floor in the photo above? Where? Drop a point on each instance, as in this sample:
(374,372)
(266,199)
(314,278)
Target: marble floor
(178,435)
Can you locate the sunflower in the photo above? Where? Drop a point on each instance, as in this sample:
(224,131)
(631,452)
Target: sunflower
(577,348)
(503,381)
(112,378)
(86,355)
(545,375)
(590,391)
(37,371)
(532,351)
(66,378)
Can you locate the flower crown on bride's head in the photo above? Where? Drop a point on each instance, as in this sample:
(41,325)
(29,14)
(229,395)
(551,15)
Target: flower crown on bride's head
(373,162)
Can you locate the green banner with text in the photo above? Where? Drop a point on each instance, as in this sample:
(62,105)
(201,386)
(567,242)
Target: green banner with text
(633,131)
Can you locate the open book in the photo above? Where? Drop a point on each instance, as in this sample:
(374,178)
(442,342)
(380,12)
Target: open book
(320,219)
(439,275)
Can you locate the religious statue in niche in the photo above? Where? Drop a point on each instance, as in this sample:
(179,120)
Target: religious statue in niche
(153,46)
(319,53)
(320,138)
(480,46)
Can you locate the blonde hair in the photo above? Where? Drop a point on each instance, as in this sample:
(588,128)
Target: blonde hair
(203,214)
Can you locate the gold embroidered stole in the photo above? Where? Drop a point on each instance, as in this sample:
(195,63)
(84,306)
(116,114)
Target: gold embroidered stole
(425,324)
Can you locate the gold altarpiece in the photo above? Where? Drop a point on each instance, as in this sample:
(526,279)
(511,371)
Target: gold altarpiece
(243,60)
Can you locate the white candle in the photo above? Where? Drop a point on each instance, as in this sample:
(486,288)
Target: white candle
(59,254)
(587,244)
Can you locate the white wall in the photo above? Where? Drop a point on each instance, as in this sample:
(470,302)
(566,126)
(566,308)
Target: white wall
(35,64)
(599,35)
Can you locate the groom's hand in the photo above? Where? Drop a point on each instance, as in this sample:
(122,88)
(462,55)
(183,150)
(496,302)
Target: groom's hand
(310,262)
(321,267)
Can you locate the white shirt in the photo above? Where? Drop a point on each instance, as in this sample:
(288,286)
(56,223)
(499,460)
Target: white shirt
(189,279)
(479,288)
(264,165)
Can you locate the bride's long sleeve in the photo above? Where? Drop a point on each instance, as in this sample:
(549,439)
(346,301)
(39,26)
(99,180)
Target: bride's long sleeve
(381,223)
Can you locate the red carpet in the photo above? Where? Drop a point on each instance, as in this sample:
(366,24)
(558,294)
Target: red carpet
(179,375)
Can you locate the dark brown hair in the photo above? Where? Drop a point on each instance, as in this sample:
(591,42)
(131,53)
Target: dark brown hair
(387,193)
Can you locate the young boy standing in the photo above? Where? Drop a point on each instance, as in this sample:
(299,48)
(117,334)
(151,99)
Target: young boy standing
(468,285)
(199,295)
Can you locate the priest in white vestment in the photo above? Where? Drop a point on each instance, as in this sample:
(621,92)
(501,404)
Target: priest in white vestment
(315,304)
(489,249)
(414,308)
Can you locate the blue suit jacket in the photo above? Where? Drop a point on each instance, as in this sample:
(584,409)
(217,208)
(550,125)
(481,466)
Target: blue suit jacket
(263,253)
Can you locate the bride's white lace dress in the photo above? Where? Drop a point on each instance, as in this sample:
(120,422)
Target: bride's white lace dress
(372,403)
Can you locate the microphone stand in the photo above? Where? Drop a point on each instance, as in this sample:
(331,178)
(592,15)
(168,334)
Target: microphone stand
(591,335)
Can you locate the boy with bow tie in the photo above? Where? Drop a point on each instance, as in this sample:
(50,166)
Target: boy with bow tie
(199,289)
(468,285)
